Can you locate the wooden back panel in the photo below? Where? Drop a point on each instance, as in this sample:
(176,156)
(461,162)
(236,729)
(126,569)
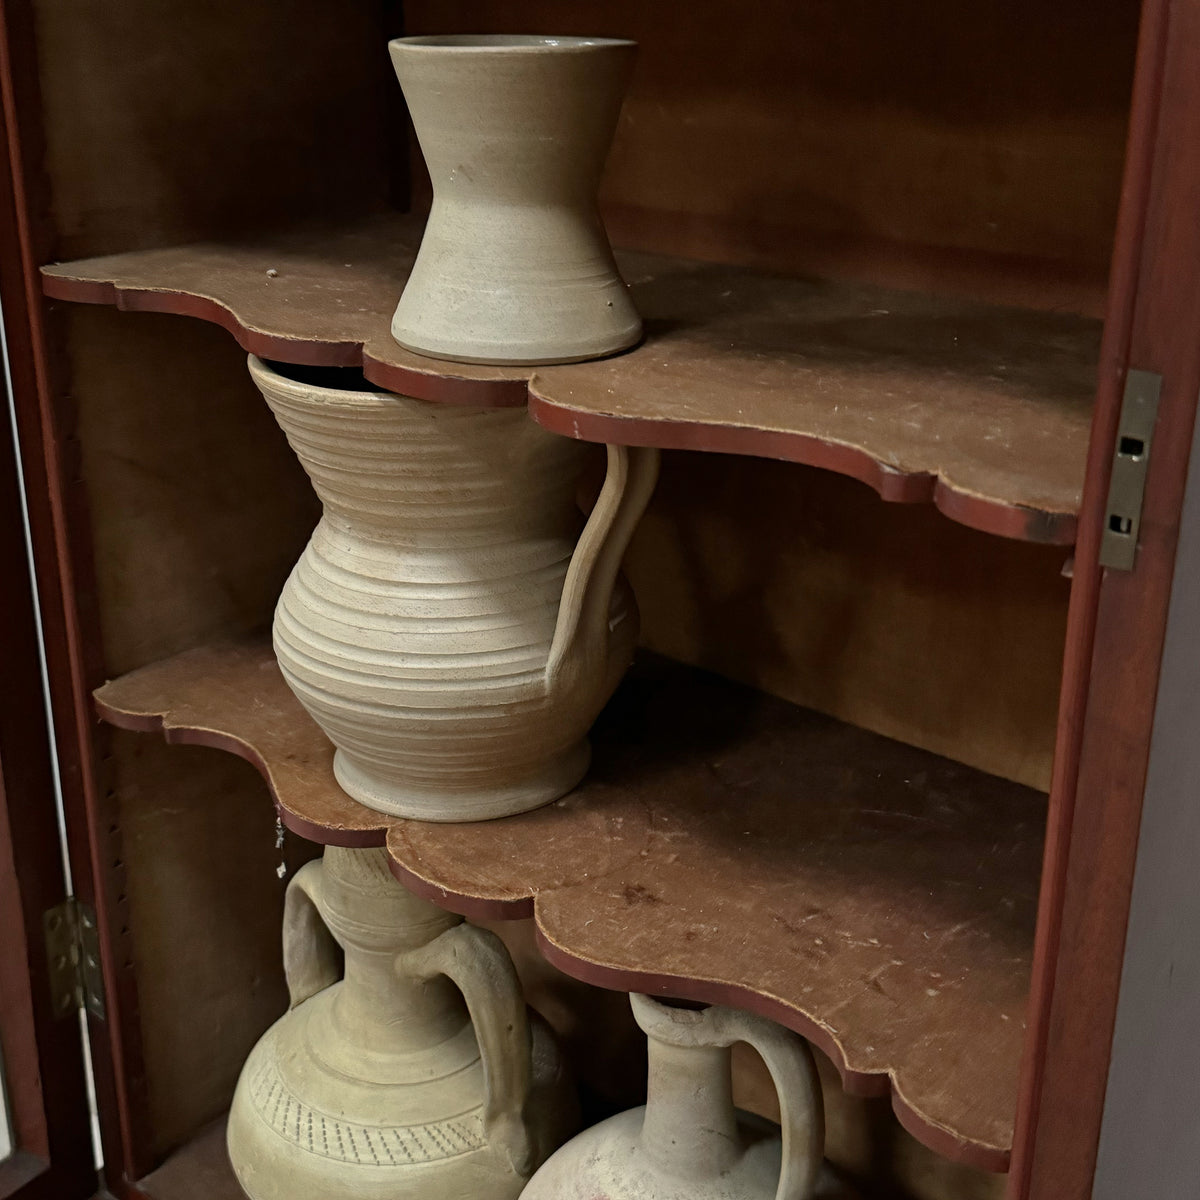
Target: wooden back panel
(166,123)
(894,618)
(161,124)
(972,146)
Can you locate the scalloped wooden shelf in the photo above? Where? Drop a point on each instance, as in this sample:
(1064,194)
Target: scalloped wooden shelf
(727,847)
(981,410)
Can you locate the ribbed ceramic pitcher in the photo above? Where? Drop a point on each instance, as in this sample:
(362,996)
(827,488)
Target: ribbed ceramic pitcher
(414,1077)
(448,626)
(689,1142)
(515,266)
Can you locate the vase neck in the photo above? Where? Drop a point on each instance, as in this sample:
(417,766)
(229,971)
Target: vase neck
(690,1127)
(376,920)
(393,1013)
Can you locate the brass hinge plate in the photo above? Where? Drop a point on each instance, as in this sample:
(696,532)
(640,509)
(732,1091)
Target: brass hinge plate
(1131,458)
(73,952)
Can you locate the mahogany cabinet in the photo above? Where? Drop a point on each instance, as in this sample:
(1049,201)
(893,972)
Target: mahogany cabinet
(921,290)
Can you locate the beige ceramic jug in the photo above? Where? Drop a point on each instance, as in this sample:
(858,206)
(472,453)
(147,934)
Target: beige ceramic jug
(515,266)
(689,1142)
(448,626)
(417,1076)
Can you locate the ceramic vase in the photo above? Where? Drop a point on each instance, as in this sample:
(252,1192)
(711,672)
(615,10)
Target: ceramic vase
(416,1075)
(515,266)
(447,625)
(689,1142)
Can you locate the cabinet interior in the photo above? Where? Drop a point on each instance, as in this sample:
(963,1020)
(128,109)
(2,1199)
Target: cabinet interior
(975,150)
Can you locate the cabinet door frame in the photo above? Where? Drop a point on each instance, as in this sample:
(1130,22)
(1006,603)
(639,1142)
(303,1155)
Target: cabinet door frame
(45,1078)
(1116,628)
(53,513)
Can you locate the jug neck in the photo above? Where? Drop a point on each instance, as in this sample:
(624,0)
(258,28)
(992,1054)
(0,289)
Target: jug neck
(390,468)
(690,1127)
(392,1012)
(375,920)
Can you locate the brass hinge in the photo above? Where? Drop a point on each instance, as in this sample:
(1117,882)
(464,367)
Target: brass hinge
(73,952)
(1123,516)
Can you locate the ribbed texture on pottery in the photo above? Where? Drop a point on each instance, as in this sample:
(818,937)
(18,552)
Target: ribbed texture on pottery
(417,625)
(413,473)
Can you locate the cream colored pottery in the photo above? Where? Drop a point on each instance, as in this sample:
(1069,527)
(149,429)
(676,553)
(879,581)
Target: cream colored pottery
(515,266)
(416,1075)
(689,1142)
(447,625)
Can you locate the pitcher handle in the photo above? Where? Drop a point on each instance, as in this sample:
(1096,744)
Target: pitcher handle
(580,643)
(478,964)
(310,952)
(793,1070)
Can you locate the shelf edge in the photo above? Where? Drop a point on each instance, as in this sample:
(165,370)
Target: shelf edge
(995,517)
(942,1141)
(985,1156)
(441,385)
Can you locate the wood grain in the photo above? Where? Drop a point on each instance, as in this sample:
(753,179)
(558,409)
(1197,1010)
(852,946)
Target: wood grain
(165,124)
(200,1170)
(233,697)
(728,847)
(981,410)
(314,296)
(804,584)
(184,553)
(52,506)
(926,144)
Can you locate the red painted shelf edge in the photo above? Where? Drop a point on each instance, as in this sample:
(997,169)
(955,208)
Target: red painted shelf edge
(181,735)
(939,1139)
(942,1141)
(978,512)
(444,387)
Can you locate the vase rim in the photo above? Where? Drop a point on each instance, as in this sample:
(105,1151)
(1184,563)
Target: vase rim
(508,43)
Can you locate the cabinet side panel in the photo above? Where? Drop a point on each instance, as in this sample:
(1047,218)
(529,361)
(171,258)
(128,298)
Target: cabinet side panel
(198,510)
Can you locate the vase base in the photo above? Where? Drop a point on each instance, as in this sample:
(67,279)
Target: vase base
(397,799)
(539,357)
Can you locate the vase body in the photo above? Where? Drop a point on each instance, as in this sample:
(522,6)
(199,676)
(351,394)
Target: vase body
(514,266)
(386,1084)
(689,1142)
(425,626)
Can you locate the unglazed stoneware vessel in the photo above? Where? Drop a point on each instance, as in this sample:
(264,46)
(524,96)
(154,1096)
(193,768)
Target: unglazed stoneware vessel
(689,1142)
(448,626)
(414,1076)
(515,266)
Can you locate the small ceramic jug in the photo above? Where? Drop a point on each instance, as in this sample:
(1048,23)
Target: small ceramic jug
(689,1142)
(447,625)
(414,1077)
(515,266)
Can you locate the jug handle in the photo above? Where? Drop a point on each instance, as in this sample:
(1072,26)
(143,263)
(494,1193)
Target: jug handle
(478,964)
(310,953)
(789,1059)
(580,642)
